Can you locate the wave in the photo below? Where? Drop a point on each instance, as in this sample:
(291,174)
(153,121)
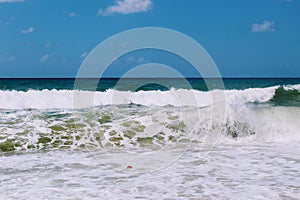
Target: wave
(45,119)
(286,96)
(135,126)
(64,99)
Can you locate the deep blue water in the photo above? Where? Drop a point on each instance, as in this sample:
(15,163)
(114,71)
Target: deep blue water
(139,84)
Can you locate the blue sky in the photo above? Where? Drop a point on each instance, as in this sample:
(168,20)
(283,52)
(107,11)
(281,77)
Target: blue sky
(249,38)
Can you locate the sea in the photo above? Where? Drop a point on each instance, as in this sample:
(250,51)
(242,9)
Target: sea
(150,139)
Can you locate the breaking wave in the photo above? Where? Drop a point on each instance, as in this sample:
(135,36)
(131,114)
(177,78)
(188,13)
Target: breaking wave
(46,119)
(63,99)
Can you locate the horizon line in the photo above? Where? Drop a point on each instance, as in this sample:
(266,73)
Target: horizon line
(227,77)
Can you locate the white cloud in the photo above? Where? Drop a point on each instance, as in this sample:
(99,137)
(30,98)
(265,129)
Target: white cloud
(10,20)
(84,54)
(136,59)
(49,45)
(44,58)
(6,58)
(265,26)
(27,31)
(72,14)
(127,7)
(10,1)
(141,59)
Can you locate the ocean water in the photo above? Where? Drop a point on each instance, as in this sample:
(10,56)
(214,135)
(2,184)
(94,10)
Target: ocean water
(162,140)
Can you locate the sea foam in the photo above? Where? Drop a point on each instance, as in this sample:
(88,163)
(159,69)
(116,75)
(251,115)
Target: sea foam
(60,99)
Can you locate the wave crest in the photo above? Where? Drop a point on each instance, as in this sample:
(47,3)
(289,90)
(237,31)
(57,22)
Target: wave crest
(63,99)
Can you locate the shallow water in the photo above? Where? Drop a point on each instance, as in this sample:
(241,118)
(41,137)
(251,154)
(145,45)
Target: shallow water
(256,170)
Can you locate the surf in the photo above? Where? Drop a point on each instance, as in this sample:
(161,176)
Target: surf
(63,99)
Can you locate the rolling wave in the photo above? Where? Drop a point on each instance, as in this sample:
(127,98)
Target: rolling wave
(45,119)
(60,99)
(286,96)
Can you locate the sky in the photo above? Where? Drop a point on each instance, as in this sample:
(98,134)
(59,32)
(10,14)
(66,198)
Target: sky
(51,38)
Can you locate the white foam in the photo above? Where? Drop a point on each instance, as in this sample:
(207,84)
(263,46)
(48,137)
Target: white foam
(60,99)
(276,123)
(292,87)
